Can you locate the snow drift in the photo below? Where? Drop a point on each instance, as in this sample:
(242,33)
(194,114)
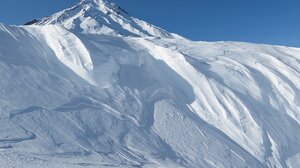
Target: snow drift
(92,86)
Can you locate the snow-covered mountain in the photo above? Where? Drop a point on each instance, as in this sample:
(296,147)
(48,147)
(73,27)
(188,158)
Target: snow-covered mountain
(92,86)
(101,17)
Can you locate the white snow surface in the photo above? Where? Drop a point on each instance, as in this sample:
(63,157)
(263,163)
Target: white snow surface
(92,86)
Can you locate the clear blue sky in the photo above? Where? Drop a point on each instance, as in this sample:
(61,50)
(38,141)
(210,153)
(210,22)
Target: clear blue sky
(259,21)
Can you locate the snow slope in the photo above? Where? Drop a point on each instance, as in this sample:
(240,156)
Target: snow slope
(92,86)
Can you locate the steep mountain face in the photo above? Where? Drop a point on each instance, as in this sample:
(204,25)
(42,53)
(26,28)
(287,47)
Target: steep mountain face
(92,86)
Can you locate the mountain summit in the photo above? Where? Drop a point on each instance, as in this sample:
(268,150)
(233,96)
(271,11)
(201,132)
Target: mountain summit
(92,86)
(101,17)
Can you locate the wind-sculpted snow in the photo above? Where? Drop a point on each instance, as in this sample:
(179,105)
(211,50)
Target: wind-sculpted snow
(84,98)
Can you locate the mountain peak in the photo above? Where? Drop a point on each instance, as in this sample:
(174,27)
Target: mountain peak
(95,3)
(101,17)
(105,6)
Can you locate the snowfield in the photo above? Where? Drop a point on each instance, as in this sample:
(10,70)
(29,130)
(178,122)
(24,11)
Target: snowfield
(92,86)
